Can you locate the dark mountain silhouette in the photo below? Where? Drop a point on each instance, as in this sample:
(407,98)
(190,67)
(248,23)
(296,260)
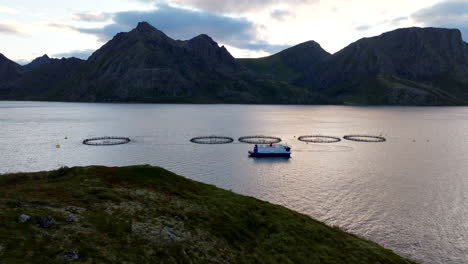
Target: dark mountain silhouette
(145,65)
(289,64)
(405,66)
(9,70)
(410,66)
(37,62)
(38,83)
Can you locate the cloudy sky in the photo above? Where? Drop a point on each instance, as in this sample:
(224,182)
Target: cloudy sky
(248,28)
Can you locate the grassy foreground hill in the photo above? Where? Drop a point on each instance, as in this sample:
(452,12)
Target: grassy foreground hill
(145,214)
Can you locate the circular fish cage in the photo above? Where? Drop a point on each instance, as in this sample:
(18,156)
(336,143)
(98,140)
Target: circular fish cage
(365,138)
(259,140)
(319,139)
(106,141)
(212,140)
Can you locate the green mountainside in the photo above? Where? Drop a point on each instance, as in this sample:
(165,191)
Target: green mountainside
(144,214)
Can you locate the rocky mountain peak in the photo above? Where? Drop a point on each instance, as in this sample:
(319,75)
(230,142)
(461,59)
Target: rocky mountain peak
(203,38)
(145,30)
(37,62)
(144,27)
(202,42)
(308,48)
(44,57)
(206,49)
(309,44)
(303,56)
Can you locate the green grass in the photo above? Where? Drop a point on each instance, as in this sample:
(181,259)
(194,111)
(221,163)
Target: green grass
(144,214)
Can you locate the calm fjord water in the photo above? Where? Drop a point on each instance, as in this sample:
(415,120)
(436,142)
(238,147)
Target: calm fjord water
(409,194)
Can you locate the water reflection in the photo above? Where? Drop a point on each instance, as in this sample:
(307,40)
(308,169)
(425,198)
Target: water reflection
(270,159)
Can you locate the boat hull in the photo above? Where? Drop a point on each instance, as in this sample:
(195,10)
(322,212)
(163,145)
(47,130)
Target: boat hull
(269,155)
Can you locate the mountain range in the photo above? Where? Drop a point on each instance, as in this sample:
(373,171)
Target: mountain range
(409,66)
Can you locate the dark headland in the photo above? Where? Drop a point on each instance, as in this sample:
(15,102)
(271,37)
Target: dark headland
(408,66)
(145,214)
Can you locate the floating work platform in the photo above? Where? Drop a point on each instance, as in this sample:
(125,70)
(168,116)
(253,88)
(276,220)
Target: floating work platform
(271,151)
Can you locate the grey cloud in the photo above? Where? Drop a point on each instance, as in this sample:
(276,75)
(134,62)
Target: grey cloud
(180,23)
(363,27)
(80,54)
(449,14)
(281,15)
(8,29)
(234,6)
(91,17)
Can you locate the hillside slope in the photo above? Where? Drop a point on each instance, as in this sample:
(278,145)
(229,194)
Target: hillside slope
(144,214)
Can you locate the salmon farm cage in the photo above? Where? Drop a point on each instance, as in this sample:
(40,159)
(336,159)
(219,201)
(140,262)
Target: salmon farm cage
(212,140)
(260,140)
(106,141)
(319,139)
(365,138)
